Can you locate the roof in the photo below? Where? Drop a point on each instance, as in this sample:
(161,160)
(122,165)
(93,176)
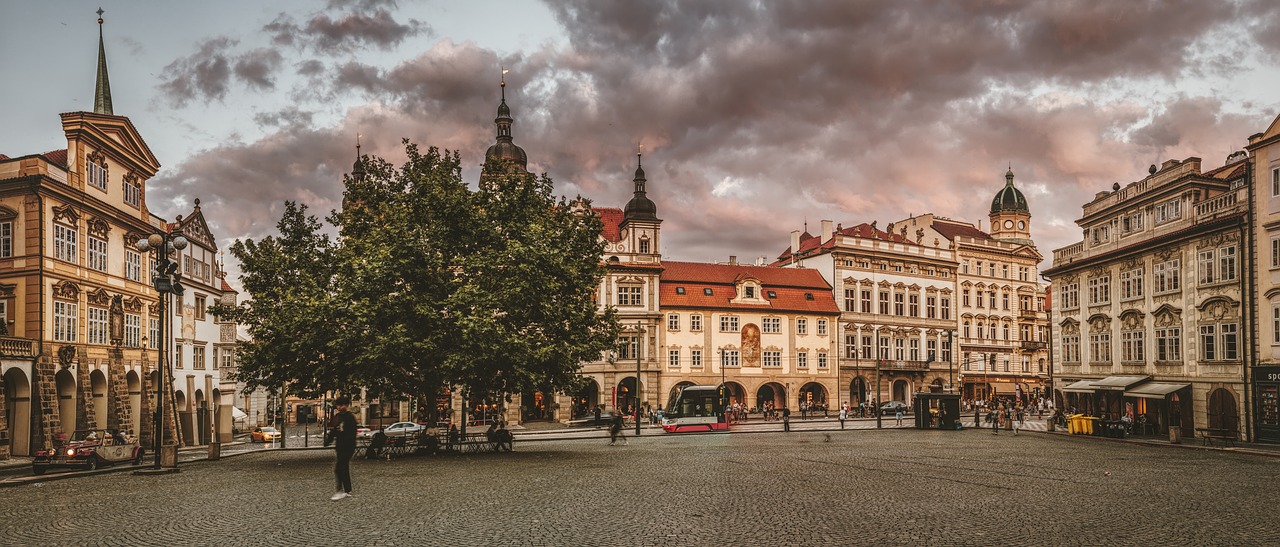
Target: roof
(226,287)
(1149,243)
(3,157)
(951,230)
(809,243)
(611,217)
(795,289)
(56,157)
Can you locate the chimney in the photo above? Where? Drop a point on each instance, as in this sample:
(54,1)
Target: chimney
(795,242)
(733,260)
(826,231)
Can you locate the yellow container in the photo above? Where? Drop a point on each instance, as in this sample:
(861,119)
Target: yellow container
(1075,424)
(1087,422)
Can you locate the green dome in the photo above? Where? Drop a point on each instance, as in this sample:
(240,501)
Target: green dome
(1009,199)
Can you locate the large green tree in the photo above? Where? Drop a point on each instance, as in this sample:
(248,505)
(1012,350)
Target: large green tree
(431,283)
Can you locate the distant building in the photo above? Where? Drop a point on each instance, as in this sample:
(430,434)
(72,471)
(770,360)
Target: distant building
(1264,163)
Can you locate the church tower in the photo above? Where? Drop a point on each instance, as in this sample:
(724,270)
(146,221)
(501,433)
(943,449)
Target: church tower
(1010,216)
(640,222)
(510,156)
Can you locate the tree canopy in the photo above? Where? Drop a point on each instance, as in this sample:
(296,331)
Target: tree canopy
(429,283)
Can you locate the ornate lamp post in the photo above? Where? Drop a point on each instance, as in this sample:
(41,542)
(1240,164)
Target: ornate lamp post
(165,280)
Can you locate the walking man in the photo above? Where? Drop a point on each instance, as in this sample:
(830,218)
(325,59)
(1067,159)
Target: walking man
(786,419)
(343,431)
(844,413)
(994,415)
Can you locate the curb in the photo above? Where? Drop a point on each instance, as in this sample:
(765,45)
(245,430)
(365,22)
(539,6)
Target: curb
(1184,446)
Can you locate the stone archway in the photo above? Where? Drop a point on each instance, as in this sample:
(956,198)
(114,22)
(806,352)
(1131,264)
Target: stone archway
(624,399)
(857,391)
(737,393)
(98,385)
(1223,413)
(200,419)
(814,394)
(587,399)
(17,400)
(900,389)
(134,385)
(771,393)
(183,408)
(66,385)
(671,395)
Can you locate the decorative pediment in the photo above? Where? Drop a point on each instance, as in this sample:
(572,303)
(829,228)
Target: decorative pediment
(1167,315)
(96,157)
(631,279)
(1099,272)
(1219,308)
(773,348)
(1131,319)
(1165,254)
(1099,323)
(1006,288)
(885,284)
(729,347)
(133,304)
(99,297)
(933,332)
(980,286)
(966,315)
(899,285)
(1217,240)
(99,228)
(6,289)
(1131,263)
(66,290)
(930,289)
(66,214)
(946,291)
(850,327)
(913,287)
(1070,326)
(966,284)
(7,213)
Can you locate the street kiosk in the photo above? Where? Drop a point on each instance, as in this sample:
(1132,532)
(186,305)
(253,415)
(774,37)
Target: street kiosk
(938,411)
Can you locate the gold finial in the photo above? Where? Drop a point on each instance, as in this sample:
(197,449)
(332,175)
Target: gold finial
(100,12)
(357,144)
(502,78)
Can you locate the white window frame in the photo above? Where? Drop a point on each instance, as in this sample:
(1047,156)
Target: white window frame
(1169,344)
(97,254)
(97,175)
(6,239)
(132,265)
(1131,284)
(802,359)
(1132,346)
(822,327)
(771,359)
(729,358)
(1167,276)
(66,319)
(695,358)
(132,330)
(132,193)
(673,321)
(695,322)
(1100,347)
(771,325)
(802,326)
(98,328)
(1275,252)
(729,323)
(1168,211)
(65,242)
(1100,290)
(822,359)
(630,295)
(673,358)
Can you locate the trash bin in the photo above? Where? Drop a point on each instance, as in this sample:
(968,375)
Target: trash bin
(1175,434)
(1048,425)
(169,455)
(1075,424)
(1088,425)
(215,450)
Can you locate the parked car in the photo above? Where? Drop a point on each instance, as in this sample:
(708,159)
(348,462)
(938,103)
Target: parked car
(363,432)
(590,420)
(894,407)
(89,449)
(403,429)
(264,434)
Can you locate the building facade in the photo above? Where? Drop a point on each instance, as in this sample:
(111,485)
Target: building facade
(897,302)
(1264,167)
(1148,309)
(767,333)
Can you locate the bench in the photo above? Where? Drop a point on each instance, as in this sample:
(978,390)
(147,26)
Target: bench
(1210,434)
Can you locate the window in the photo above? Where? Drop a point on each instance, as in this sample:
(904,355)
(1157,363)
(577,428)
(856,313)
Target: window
(65,318)
(673,321)
(931,349)
(1167,276)
(707,292)
(899,349)
(1004,271)
(1004,301)
(946,307)
(991,269)
(64,243)
(1275,251)
(946,351)
(628,296)
(679,290)
(1219,342)
(802,326)
(1230,347)
(771,359)
(1131,284)
(850,346)
(1100,290)
(1005,331)
(1131,346)
(132,266)
(98,326)
(695,358)
(964,266)
(1071,295)
(850,299)
(1217,265)
(132,330)
(97,174)
(728,323)
(695,323)
(1100,347)
(913,305)
(884,302)
(98,254)
(153,333)
(864,351)
(644,246)
(6,239)
(899,308)
(673,358)
(978,300)
(1071,349)
(1275,323)
(966,330)
(822,327)
(771,325)
(627,347)
(749,291)
(201,305)
(931,307)
(228,358)
(866,301)
(802,360)
(1275,182)
(729,358)
(177,357)
(197,358)
(822,359)
(883,348)
(964,298)
(914,348)
(1169,344)
(966,364)
(1023,273)
(993,330)
(1227,263)
(991,297)
(1208,342)
(1131,223)
(132,191)
(1168,211)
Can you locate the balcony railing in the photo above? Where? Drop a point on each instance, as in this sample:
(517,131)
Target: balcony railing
(1229,202)
(12,346)
(910,366)
(1029,345)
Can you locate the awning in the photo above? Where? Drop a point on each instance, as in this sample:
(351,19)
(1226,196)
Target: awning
(1118,383)
(1083,386)
(237,414)
(1154,390)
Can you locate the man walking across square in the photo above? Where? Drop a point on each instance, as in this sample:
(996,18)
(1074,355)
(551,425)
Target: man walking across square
(342,429)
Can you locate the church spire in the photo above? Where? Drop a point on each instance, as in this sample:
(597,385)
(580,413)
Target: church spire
(357,169)
(640,207)
(504,149)
(102,91)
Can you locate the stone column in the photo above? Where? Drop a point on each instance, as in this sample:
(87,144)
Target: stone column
(46,392)
(5,434)
(117,391)
(146,436)
(86,414)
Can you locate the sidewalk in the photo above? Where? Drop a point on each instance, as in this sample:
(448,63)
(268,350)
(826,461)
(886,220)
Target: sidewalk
(1241,447)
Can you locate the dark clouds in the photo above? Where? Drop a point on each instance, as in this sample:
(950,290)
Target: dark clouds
(759,116)
(349,32)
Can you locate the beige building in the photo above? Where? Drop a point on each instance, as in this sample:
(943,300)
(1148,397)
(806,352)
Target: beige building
(1148,309)
(768,333)
(897,302)
(1264,163)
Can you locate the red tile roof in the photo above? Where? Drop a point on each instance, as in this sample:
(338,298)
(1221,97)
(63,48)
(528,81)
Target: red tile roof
(57,157)
(951,230)
(611,217)
(3,157)
(809,242)
(795,289)
(227,288)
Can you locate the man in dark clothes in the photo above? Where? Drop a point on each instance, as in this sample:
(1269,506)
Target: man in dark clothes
(343,431)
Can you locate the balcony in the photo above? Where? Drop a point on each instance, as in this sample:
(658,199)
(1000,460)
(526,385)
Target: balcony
(12,346)
(1233,201)
(904,366)
(1068,254)
(1028,345)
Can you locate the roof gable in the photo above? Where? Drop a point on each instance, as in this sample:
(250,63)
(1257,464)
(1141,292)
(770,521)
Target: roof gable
(113,132)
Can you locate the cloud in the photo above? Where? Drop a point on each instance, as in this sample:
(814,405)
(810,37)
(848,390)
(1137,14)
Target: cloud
(257,67)
(208,74)
(346,33)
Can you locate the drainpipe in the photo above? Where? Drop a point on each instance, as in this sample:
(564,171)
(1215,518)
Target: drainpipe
(1249,296)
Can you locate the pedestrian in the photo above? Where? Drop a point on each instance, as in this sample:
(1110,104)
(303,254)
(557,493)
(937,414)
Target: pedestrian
(1015,423)
(615,429)
(786,419)
(844,413)
(977,411)
(596,412)
(898,416)
(342,427)
(994,416)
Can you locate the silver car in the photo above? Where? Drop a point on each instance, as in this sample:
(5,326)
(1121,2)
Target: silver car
(403,429)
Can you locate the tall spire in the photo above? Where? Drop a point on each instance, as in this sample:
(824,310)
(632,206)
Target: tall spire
(504,149)
(640,207)
(357,169)
(102,91)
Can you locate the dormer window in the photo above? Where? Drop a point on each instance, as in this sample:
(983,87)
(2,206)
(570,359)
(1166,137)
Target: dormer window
(644,245)
(706,292)
(679,290)
(772,294)
(749,291)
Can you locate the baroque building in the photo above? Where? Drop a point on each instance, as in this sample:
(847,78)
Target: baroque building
(897,304)
(1148,309)
(1264,167)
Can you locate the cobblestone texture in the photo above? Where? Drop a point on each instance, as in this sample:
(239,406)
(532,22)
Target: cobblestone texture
(806,488)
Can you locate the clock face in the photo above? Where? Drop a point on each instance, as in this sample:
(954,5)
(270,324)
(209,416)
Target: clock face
(1022,225)
(1008,224)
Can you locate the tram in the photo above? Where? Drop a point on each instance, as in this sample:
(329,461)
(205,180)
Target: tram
(695,408)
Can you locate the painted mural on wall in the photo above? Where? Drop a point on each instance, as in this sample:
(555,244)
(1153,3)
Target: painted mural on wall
(750,345)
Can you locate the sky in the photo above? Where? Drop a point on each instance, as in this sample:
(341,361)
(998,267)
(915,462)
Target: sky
(756,118)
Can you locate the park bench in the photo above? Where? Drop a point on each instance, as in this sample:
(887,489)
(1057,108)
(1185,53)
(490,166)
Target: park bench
(1210,434)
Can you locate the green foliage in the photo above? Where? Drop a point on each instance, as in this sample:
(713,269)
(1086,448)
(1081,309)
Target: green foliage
(430,284)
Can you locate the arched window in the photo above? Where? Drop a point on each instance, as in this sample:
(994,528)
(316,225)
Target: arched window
(966,329)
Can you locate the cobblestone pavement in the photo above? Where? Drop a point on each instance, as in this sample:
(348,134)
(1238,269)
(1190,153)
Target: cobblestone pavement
(811,488)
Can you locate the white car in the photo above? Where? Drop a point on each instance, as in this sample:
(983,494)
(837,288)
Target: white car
(403,429)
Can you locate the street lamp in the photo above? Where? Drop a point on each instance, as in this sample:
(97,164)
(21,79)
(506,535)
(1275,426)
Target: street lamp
(639,341)
(165,280)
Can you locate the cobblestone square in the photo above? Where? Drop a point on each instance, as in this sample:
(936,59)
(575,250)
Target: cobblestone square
(804,488)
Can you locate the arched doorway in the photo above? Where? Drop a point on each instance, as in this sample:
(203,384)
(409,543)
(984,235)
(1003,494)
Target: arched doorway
(66,403)
(737,393)
(900,391)
(773,394)
(587,399)
(17,401)
(936,386)
(1222,411)
(676,389)
(624,399)
(98,383)
(858,391)
(813,394)
(537,406)
(201,418)
(182,407)
(135,402)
